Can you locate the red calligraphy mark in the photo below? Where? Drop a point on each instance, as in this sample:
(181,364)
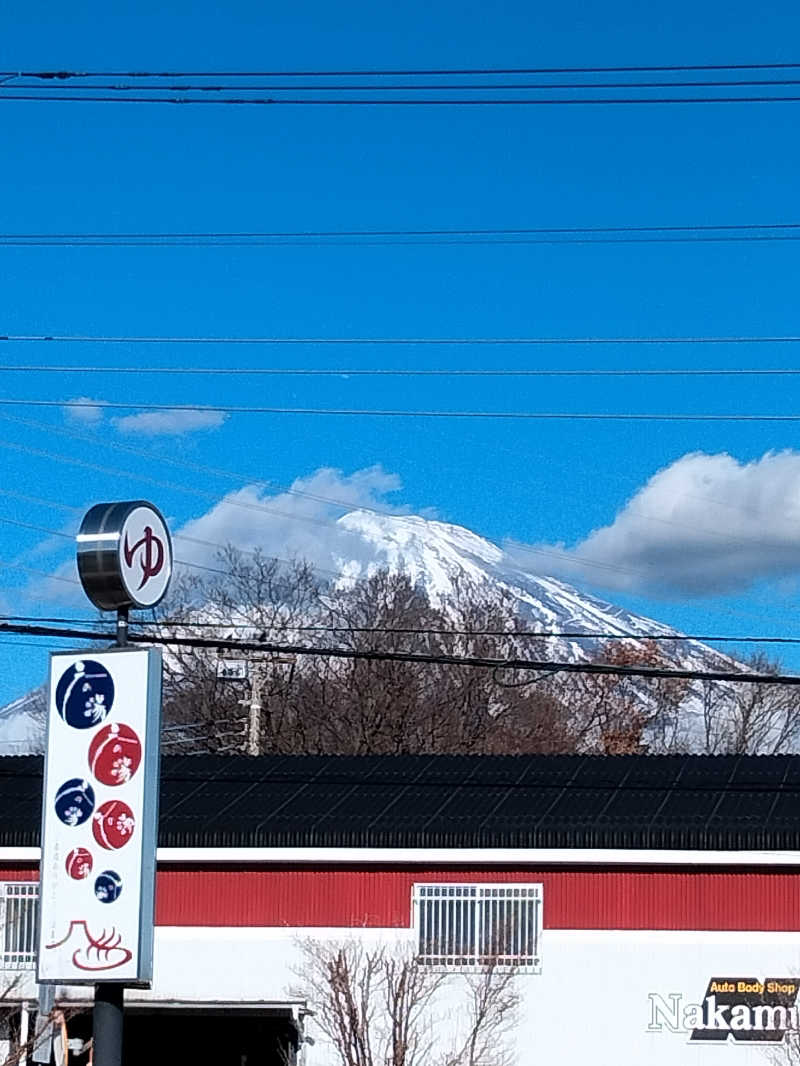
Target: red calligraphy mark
(151,556)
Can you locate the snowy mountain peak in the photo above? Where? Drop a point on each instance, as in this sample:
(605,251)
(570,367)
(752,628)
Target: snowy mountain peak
(441,556)
(426,550)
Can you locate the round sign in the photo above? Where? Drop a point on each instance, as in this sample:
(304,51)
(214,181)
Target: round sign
(79,863)
(107,886)
(114,754)
(84,694)
(74,801)
(113,825)
(124,555)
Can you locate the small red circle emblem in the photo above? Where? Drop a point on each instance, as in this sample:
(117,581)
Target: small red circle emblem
(114,754)
(79,863)
(113,824)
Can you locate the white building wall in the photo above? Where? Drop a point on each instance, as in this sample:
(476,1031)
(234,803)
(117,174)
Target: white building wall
(590,1005)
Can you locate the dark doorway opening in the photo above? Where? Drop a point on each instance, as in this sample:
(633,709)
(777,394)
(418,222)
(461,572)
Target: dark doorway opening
(217,1036)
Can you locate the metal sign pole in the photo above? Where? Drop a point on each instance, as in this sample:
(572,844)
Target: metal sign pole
(108,1014)
(107,1025)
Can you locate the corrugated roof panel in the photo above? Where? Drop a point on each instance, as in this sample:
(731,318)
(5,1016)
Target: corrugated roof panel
(732,802)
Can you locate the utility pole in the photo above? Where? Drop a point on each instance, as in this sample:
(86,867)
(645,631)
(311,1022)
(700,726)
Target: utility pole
(256,673)
(254,713)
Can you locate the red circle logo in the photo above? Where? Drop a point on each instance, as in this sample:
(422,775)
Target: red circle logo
(113,824)
(79,863)
(114,754)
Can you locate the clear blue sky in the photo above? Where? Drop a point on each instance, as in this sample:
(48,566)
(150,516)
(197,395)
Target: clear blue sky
(106,168)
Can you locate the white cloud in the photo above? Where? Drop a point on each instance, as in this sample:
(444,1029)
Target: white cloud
(84,409)
(705,525)
(298,523)
(168,423)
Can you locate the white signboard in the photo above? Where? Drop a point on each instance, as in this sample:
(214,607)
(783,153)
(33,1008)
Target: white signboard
(232,669)
(100,817)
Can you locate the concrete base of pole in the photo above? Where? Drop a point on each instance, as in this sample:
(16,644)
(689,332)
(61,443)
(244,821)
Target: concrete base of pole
(108,1014)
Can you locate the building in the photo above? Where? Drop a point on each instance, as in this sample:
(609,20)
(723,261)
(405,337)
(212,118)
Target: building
(650,906)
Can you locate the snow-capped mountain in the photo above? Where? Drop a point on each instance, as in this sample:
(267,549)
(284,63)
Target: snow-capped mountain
(441,557)
(438,555)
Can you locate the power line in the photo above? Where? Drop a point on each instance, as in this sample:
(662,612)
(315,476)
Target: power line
(473,662)
(250,101)
(555,235)
(382,87)
(403,372)
(82,338)
(64,75)
(509,633)
(602,416)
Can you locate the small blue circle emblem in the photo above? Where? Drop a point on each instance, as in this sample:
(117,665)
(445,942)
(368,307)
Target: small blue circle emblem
(107,886)
(74,801)
(85,694)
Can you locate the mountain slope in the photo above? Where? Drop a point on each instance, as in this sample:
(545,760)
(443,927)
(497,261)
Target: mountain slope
(438,554)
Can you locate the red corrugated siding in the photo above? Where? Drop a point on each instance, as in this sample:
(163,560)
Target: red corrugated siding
(575,898)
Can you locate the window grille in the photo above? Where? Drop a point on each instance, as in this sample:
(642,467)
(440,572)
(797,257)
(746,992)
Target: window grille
(19,914)
(472,927)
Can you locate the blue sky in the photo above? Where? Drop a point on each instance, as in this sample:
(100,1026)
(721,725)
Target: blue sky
(107,168)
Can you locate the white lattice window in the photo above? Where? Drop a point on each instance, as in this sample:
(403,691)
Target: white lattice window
(19,913)
(463,927)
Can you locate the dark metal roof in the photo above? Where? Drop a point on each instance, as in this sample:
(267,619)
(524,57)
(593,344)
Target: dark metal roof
(564,801)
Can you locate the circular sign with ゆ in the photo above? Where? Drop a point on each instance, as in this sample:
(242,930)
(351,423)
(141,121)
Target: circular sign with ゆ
(124,555)
(114,754)
(84,694)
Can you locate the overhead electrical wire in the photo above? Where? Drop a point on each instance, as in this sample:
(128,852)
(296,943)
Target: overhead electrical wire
(353,412)
(181,97)
(402,372)
(414,237)
(533,634)
(228,89)
(382,87)
(65,75)
(82,338)
(468,661)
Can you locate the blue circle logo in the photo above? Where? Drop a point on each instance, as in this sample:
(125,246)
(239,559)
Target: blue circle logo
(85,694)
(74,801)
(107,886)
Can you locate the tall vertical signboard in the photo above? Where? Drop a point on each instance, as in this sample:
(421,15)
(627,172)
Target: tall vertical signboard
(101,782)
(100,817)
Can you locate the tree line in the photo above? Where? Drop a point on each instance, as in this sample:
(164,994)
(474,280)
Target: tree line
(317,705)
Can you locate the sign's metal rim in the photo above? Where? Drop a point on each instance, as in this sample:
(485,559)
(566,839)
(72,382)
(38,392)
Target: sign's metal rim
(99,550)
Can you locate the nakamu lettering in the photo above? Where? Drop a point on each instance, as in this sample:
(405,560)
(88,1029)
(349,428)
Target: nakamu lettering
(773,1020)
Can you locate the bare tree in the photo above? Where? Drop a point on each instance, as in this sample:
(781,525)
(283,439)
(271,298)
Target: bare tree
(254,597)
(372,705)
(379,1006)
(612,714)
(750,718)
(493,1003)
